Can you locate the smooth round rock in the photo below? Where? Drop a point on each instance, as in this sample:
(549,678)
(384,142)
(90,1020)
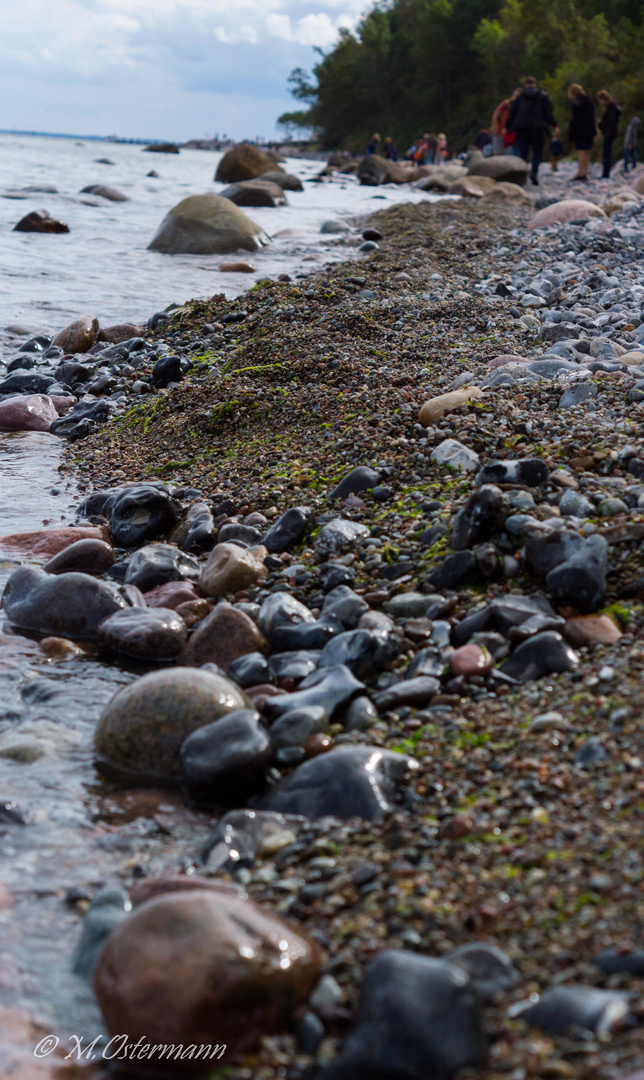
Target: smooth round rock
(70,605)
(230,568)
(147,633)
(140,732)
(203,967)
(79,336)
(223,636)
(86,556)
(33,412)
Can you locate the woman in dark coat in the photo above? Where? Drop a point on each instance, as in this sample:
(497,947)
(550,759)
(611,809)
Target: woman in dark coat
(608,126)
(582,128)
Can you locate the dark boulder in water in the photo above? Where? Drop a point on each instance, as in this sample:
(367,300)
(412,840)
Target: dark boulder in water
(135,514)
(41,222)
(70,605)
(105,192)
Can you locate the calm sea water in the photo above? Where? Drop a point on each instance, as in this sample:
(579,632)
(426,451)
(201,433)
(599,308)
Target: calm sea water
(102,267)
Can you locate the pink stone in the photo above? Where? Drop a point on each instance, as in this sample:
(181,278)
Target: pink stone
(471,660)
(565,210)
(62,404)
(29,412)
(172,594)
(51,541)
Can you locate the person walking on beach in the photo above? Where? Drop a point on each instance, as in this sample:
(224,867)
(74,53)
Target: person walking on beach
(389,150)
(582,129)
(373,146)
(440,153)
(530,116)
(608,125)
(502,140)
(630,143)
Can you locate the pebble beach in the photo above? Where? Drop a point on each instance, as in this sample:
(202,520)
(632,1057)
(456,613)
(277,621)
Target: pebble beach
(353,562)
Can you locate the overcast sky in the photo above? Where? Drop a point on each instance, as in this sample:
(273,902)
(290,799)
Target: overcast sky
(159,68)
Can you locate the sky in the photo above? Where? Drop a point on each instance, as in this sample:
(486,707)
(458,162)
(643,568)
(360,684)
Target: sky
(166,69)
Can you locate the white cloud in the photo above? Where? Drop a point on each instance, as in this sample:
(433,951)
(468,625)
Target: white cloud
(217,47)
(279,26)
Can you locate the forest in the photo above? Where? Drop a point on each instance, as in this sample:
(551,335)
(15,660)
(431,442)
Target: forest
(443,65)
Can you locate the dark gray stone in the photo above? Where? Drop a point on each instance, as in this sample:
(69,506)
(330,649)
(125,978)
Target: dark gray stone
(574,1010)
(156,564)
(418,1018)
(66,605)
(364,652)
(250,670)
(348,782)
(482,516)
(224,763)
(146,633)
(580,581)
(289,530)
(490,971)
(540,655)
(359,479)
(332,688)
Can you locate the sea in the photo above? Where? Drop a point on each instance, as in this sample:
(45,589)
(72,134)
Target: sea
(102,266)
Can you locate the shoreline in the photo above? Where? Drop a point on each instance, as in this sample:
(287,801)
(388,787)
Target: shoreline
(519,834)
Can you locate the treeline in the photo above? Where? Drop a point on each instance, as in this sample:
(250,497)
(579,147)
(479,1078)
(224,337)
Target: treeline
(443,65)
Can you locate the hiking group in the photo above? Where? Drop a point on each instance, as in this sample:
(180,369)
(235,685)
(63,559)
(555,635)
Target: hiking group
(521,122)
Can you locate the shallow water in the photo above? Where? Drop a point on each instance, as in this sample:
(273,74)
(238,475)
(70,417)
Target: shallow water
(78,833)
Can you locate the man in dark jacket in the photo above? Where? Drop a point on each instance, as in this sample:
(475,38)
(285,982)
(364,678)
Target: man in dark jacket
(530,117)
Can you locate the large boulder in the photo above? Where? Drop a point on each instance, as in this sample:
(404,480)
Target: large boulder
(113,194)
(566,210)
(204,967)
(441,177)
(372,170)
(255,193)
(70,605)
(287,181)
(33,412)
(244,162)
(501,191)
(472,187)
(141,729)
(505,167)
(207,225)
